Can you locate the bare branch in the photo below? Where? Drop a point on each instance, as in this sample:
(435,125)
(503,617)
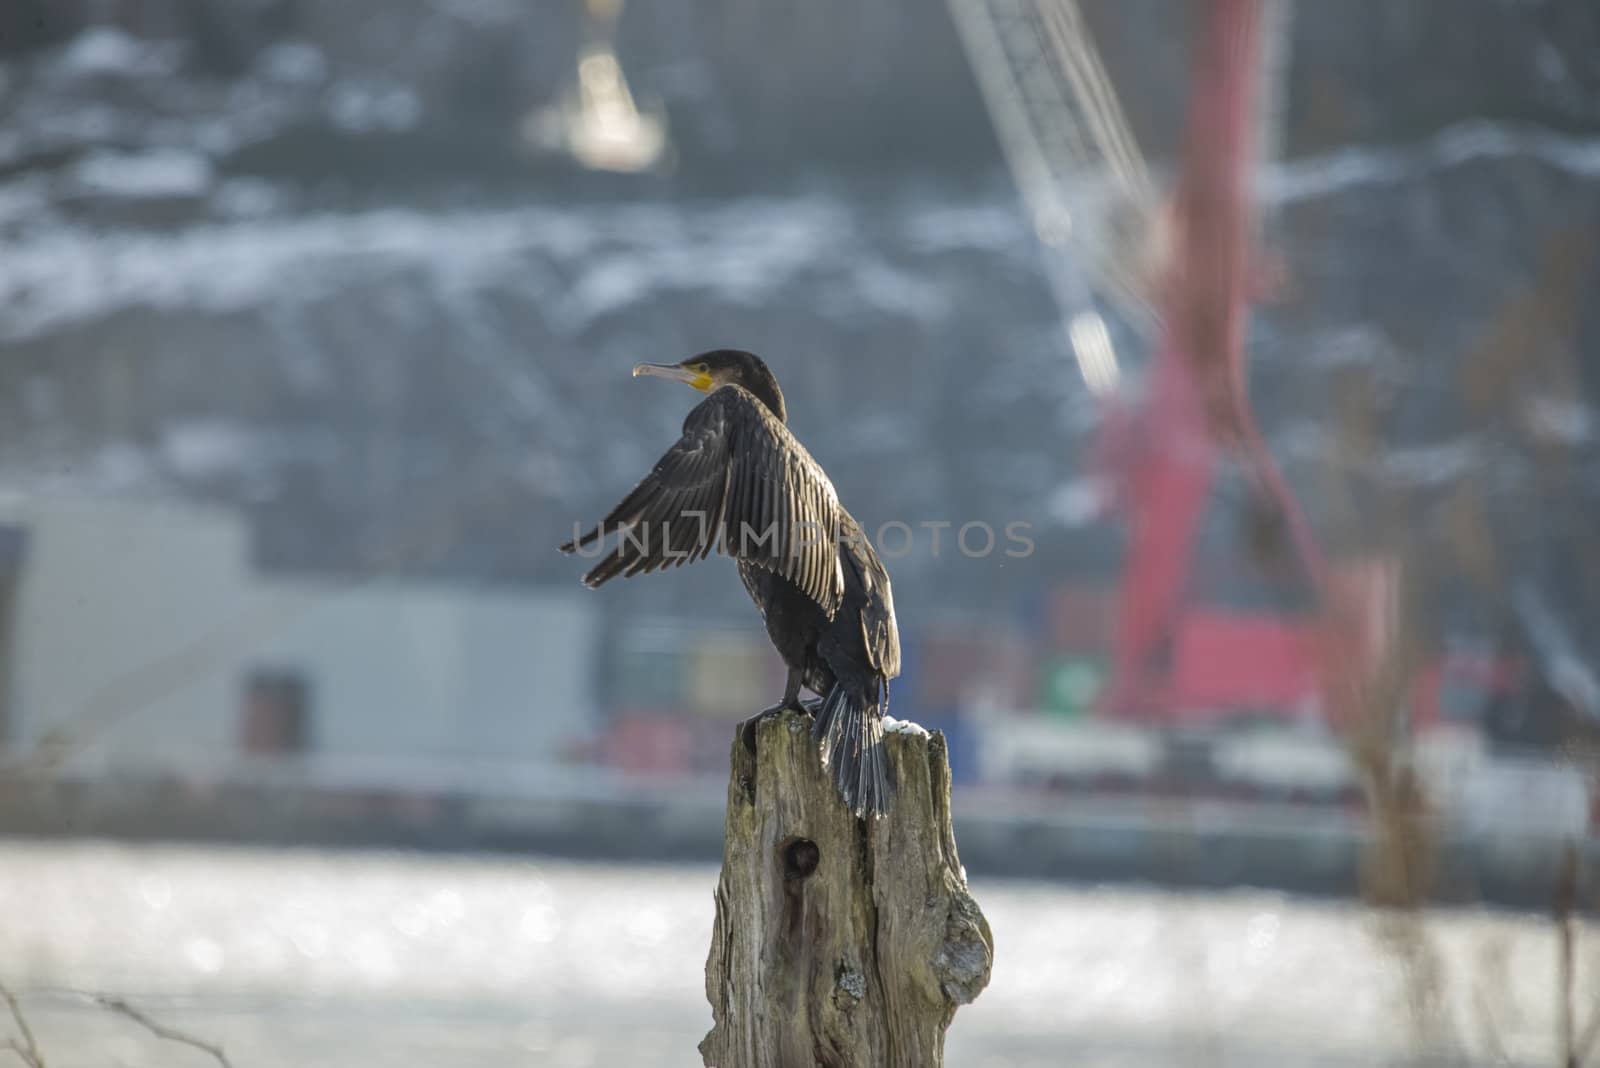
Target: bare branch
(13,1046)
(28,1047)
(1566,1018)
(161,1030)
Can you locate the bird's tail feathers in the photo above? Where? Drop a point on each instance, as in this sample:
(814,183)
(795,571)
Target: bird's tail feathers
(851,744)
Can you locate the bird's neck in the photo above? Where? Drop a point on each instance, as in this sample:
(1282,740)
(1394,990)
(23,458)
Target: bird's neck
(765,388)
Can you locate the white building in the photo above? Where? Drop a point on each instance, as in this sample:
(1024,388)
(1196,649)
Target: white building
(141,636)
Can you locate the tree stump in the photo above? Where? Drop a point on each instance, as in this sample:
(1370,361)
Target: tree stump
(839,942)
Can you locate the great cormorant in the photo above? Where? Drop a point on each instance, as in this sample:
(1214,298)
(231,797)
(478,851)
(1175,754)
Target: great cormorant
(739,481)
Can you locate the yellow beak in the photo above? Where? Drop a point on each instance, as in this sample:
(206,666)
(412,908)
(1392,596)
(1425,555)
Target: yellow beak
(676,373)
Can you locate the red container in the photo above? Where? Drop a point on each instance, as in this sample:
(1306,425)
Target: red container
(1226,663)
(954,665)
(651,744)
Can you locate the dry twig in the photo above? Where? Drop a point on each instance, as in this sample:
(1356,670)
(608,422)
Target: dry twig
(1566,892)
(161,1030)
(27,1047)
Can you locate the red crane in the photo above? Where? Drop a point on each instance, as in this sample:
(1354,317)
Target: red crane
(1063,132)
(1196,407)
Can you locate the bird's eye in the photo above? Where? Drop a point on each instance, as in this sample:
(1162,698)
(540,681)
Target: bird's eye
(702,369)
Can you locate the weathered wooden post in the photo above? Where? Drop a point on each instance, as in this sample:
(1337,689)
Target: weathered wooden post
(839,942)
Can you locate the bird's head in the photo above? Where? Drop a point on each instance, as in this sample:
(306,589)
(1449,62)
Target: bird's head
(723,367)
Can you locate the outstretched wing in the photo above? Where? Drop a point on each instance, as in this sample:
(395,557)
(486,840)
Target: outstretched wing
(737,481)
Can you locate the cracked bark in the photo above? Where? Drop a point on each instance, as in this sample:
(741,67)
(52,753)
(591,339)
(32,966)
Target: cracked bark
(839,942)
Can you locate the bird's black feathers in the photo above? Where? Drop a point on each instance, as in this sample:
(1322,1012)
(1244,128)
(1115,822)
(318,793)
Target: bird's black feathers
(737,481)
(850,739)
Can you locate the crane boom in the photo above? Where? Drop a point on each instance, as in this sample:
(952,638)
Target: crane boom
(1068,145)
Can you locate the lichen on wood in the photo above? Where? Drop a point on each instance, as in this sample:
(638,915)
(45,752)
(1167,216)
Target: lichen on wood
(839,942)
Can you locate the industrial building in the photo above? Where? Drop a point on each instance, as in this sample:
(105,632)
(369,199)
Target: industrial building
(137,637)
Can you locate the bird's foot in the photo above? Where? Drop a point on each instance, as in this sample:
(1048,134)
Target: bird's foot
(747,729)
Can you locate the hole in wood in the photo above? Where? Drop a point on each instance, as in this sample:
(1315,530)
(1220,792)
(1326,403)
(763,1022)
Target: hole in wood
(800,858)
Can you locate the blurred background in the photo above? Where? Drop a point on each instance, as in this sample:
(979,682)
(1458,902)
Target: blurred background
(316,323)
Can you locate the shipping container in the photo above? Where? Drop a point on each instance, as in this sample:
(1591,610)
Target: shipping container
(1069,686)
(1081,618)
(1226,663)
(649,743)
(648,669)
(1461,687)
(729,674)
(961,665)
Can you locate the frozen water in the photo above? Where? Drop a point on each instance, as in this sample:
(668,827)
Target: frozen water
(298,957)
